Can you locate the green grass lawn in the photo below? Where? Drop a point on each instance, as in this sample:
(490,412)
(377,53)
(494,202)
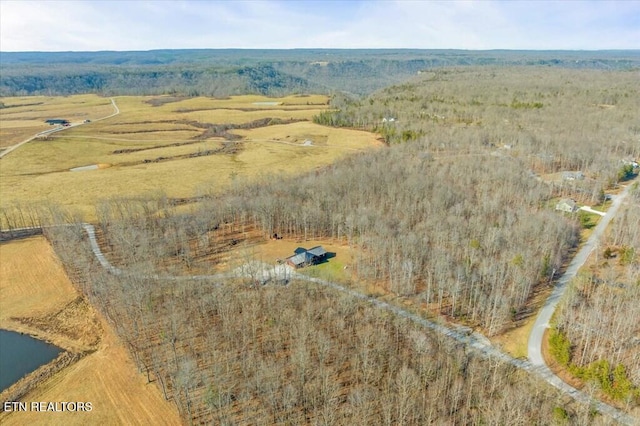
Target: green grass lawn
(331,270)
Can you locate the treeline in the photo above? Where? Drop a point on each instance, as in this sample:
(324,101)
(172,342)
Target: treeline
(268,72)
(600,319)
(265,80)
(229,353)
(612,59)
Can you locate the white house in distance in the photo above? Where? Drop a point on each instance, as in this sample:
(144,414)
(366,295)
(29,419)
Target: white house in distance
(573,175)
(567,205)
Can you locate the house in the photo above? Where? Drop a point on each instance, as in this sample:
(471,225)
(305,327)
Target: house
(53,121)
(572,175)
(567,205)
(304,257)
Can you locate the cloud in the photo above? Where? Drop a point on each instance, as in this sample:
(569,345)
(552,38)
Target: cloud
(143,25)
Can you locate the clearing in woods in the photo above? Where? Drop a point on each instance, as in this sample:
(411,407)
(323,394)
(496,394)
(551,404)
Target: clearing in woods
(38,299)
(180,147)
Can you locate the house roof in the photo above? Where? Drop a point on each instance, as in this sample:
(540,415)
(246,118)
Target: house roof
(317,251)
(303,255)
(567,203)
(298,259)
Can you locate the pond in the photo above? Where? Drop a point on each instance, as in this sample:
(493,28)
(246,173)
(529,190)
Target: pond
(20,355)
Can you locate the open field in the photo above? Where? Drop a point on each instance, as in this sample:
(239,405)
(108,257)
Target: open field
(109,380)
(23,117)
(335,269)
(36,290)
(183,147)
(33,282)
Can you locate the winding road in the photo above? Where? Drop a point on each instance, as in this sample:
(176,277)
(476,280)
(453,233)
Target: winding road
(475,341)
(550,305)
(545,314)
(58,129)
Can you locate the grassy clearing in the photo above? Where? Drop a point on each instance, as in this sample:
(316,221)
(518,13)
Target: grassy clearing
(602,207)
(515,341)
(334,269)
(39,171)
(34,285)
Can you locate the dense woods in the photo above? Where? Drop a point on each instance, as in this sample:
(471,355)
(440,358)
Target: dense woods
(472,238)
(554,120)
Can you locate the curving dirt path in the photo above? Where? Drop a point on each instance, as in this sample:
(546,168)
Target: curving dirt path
(263,273)
(464,335)
(547,311)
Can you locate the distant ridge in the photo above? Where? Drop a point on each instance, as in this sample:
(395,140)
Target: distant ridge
(224,72)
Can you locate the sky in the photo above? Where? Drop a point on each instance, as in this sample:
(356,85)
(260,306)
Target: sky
(93,25)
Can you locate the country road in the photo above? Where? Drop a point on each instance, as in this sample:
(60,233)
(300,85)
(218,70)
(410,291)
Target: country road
(545,314)
(543,320)
(475,341)
(57,129)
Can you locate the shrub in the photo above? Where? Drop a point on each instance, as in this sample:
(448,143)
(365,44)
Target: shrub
(560,347)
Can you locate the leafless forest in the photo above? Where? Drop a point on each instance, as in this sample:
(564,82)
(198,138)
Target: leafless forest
(456,213)
(231,353)
(552,119)
(601,316)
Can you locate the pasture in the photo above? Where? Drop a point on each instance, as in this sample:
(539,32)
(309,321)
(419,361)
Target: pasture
(180,147)
(22,117)
(33,281)
(38,299)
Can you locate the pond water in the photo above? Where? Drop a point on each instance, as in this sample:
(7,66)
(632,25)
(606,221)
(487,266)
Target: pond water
(21,354)
(85,168)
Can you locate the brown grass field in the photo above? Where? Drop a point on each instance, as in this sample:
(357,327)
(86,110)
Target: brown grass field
(150,149)
(24,116)
(33,282)
(155,145)
(34,286)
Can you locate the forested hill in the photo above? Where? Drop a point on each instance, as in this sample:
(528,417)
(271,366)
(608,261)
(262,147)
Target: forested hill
(227,72)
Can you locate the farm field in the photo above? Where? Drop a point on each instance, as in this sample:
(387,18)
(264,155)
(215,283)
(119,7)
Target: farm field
(22,117)
(36,289)
(180,147)
(33,281)
(195,199)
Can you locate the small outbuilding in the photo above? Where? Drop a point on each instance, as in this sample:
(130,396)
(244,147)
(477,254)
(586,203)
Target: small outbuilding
(54,121)
(304,257)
